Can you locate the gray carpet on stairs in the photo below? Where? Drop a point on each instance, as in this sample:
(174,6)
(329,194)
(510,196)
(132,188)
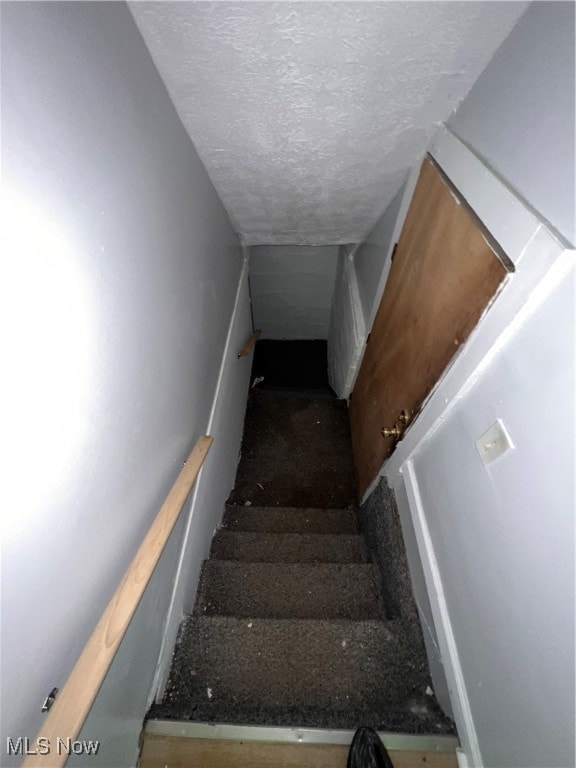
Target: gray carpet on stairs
(296,452)
(258,547)
(290,626)
(289,590)
(290,520)
(304,672)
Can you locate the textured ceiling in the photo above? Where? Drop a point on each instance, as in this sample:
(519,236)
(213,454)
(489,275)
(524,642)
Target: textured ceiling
(307,115)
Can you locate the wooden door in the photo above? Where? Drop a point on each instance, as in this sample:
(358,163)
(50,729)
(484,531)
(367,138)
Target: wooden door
(441,280)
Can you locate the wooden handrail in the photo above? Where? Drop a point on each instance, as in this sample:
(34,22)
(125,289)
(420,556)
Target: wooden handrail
(72,705)
(247,348)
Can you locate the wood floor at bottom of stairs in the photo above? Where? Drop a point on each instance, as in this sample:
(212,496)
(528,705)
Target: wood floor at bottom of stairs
(183,752)
(178,744)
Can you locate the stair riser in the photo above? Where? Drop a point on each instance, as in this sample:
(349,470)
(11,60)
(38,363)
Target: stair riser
(281,590)
(292,520)
(288,548)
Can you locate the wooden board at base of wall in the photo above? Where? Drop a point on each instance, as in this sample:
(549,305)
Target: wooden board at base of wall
(185,752)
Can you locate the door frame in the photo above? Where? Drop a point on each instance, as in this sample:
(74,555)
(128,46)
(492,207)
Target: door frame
(538,254)
(530,244)
(467,286)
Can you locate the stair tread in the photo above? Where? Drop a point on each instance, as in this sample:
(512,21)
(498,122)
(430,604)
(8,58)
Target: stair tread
(290,519)
(296,451)
(264,670)
(261,547)
(289,590)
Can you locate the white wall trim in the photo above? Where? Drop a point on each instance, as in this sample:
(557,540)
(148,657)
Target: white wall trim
(347,334)
(358,324)
(361,329)
(504,213)
(174,616)
(445,635)
(231,326)
(462,758)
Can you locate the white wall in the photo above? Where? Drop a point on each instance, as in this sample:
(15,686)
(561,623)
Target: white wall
(519,115)
(504,692)
(121,271)
(218,476)
(371,256)
(292,289)
(347,331)
(503,538)
(360,278)
(504,364)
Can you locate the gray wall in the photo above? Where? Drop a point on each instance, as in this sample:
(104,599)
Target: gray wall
(503,538)
(360,277)
(519,115)
(370,258)
(347,332)
(292,289)
(122,271)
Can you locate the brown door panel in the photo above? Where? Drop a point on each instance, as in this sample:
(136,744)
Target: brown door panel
(443,277)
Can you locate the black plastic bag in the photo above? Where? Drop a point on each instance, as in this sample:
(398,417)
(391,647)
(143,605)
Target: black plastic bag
(367,751)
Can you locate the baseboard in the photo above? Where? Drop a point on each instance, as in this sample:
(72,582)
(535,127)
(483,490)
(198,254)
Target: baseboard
(446,641)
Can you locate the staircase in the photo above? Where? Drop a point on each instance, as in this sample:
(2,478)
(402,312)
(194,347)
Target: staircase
(289,627)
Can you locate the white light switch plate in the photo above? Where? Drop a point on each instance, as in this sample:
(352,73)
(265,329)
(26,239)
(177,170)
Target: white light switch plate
(494,442)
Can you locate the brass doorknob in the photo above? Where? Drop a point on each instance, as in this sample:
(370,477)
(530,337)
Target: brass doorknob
(398,429)
(394,432)
(404,418)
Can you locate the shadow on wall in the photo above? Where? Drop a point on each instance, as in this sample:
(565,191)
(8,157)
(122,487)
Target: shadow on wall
(292,288)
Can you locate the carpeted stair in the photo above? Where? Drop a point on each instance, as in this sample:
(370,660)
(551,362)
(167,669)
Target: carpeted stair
(262,547)
(289,626)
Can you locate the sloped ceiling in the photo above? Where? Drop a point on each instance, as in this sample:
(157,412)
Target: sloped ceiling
(308,115)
